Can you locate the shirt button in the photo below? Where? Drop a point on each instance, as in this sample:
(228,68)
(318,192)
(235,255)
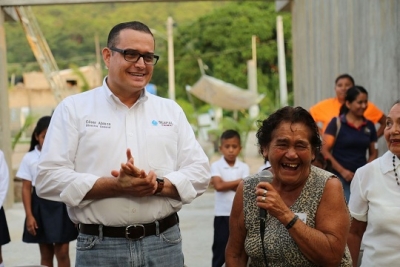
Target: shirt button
(133,210)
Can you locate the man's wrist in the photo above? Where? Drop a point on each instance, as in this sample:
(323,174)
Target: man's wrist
(160,185)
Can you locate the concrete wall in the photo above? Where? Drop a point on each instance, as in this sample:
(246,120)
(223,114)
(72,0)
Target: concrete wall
(5,138)
(35,97)
(359,37)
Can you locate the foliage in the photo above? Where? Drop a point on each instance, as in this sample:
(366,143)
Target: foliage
(76,71)
(29,120)
(218,32)
(243,126)
(189,110)
(222,39)
(70,31)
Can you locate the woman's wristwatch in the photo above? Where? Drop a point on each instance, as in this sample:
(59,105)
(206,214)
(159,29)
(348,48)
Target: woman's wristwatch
(292,222)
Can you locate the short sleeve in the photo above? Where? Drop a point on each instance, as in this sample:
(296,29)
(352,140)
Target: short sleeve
(373,113)
(358,204)
(373,136)
(246,171)
(4,178)
(215,170)
(332,127)
(23,170)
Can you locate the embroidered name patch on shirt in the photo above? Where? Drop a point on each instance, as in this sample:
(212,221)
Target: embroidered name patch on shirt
(98,124)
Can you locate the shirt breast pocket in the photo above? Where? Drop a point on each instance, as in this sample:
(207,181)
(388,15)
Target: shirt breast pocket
(161,148)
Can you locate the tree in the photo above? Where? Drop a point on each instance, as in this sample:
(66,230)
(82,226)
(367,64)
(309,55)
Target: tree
(70,30)
(222,39)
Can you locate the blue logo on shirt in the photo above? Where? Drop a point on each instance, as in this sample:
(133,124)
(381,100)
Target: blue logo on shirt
(154,122)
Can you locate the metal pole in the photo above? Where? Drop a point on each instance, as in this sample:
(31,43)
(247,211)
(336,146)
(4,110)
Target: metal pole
(254,49)
(5,136)
(98,57)
(254,110)
(171,65)
(281,62)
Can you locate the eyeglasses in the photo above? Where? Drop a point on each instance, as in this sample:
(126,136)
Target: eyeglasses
(131,55)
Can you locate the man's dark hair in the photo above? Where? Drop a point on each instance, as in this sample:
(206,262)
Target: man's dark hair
(133,25)
(345,76)
(228,134)
(291,115)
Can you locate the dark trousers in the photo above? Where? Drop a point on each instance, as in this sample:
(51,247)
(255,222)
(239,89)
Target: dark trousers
(221,235)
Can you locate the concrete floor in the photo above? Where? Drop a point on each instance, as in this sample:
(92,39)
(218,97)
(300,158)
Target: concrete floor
(196,223)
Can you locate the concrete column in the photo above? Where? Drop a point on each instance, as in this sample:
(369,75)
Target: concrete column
(281,62)
(171,59)
(5,134)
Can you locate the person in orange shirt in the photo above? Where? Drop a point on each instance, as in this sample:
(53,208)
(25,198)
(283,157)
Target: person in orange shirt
(325,110)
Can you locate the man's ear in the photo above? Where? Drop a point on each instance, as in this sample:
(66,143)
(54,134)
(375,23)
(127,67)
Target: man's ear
(106,52)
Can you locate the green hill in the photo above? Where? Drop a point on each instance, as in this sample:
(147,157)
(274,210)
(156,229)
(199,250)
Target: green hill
(218,32)
(70,30)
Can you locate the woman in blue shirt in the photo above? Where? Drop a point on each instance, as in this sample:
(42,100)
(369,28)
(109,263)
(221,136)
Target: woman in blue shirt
(349,137)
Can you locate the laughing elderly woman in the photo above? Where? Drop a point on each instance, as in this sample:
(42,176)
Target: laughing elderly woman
(307,221)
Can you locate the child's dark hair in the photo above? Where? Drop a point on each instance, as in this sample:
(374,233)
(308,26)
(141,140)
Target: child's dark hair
(228,134)
(42,124)
(351,95)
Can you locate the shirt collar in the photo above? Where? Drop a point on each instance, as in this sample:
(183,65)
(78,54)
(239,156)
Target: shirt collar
(37,151)
(343,119)
(227,165)
(115,100)
(386,162)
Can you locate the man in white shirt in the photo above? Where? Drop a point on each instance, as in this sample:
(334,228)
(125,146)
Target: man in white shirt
(124,216)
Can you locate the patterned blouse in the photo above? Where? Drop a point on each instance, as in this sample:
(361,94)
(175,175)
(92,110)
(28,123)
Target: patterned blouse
(281,250)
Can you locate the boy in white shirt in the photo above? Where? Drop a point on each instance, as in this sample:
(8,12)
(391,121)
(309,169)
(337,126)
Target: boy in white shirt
(226,174)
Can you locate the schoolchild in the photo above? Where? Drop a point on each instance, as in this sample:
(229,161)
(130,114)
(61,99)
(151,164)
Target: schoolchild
(226,174)
(47,222)
(4,180)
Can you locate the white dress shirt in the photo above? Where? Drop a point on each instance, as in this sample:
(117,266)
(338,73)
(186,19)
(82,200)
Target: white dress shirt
(224,199)
(4,178)
(28,167)
(375,199)
(88,137)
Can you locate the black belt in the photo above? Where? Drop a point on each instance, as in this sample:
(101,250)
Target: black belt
(133,231)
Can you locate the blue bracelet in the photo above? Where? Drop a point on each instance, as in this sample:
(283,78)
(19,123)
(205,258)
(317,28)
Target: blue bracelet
(292,222)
